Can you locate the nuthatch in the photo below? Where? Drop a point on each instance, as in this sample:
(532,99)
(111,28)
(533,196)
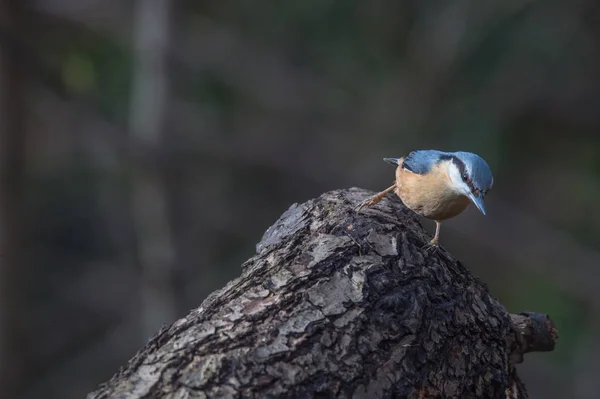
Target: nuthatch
(438,185)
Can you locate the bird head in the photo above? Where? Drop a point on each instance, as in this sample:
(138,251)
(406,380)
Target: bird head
(470,175)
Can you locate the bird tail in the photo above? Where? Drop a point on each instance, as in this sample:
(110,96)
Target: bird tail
(394,161)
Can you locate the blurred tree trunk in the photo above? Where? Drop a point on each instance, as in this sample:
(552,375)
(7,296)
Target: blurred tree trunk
(340,304)
(149,201)
(13,347)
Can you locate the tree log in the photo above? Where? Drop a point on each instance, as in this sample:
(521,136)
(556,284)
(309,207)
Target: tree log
(341,304)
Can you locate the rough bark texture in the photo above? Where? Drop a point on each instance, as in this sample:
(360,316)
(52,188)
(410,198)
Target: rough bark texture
(340,304)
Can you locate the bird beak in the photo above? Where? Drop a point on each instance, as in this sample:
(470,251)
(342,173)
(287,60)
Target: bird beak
(478,201)
(393,161)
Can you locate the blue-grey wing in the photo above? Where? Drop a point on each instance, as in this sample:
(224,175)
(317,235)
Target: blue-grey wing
(421,161)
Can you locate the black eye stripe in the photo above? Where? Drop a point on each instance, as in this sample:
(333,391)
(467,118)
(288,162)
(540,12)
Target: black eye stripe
(460,165)
(462,169)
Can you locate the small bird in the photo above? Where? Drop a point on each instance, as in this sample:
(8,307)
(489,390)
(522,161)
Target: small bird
(438,185)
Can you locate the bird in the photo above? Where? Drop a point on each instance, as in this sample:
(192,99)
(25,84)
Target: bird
(438,185)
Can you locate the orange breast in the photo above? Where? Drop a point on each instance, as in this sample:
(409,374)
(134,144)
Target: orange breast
(430,195)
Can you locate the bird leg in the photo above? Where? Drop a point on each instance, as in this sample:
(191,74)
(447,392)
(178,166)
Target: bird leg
(436,237)
(375,199)
(434,243)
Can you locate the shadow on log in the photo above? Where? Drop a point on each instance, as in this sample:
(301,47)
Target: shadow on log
(341,304)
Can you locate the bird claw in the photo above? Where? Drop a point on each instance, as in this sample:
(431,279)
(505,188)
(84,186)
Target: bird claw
(375,199)
(432,246)
(368,203)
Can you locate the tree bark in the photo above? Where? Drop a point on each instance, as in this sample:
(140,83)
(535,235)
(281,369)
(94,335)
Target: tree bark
(341,304)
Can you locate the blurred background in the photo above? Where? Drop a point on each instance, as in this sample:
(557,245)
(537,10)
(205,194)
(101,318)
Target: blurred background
(146,146)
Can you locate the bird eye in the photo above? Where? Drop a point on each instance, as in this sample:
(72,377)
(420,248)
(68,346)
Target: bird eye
(465,176)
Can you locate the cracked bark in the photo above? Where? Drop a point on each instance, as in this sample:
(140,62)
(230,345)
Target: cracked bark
(341,304)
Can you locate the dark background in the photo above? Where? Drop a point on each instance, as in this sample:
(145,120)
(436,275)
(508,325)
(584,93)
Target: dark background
(147,146)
